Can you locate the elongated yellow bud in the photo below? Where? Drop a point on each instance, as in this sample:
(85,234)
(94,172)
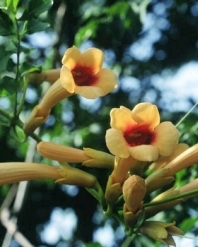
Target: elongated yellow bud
(164,160)
(75,176)
(88,157)
(158,179)
(184,160)
(193,185)
(61,153)
(153,210)
(13,172)
(98,159)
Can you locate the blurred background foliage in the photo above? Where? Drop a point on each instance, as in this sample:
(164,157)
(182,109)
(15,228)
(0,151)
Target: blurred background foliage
(142,41)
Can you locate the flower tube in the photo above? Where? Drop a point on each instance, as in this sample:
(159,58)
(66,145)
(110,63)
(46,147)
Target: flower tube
(184,160)
(122,168)
(116,179)
(88,157)
(40,113)
(140,134)
(153,210)
(164,160)
(13,172)
(192,186)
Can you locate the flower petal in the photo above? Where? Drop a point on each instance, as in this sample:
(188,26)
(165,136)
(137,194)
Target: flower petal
(144,152)
(121,118)
(146,113)
(89,92)
(93,58)
(116,143)
(167,137)
(107,80)
(71,57)
(67,80)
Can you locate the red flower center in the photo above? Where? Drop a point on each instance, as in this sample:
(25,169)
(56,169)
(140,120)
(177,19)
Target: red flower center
(136,135)
(84,76)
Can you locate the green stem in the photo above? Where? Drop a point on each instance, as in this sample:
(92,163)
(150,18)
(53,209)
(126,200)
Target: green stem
(17,122)
(22,99)
(6,114)
(109,210)
(97,193)
(185,116)
(17,67)
(176,197)
(110,213)
(20,124)
(128,241)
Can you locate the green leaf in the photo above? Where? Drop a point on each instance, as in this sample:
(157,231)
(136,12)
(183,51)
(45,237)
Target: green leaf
(6,26)
(4,57)
(86,32)
(35,25)
(93,245)
(12,5)
(35,8)
(7,86)
(29,68)
(188,224)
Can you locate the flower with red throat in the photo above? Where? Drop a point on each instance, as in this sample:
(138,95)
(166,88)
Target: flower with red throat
(140,134)
(82,73)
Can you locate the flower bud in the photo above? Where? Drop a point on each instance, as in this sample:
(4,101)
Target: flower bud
(130,218)
(161,231)
(61,153)
(13,172)
(88,157)
(192,186)
(98,159)
(157,179)
(134,190)
(113,191)
(153,210)
(164,160)
(75,176)
(184,160)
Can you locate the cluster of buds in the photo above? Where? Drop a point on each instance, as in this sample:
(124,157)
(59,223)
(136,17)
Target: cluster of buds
(144,152)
